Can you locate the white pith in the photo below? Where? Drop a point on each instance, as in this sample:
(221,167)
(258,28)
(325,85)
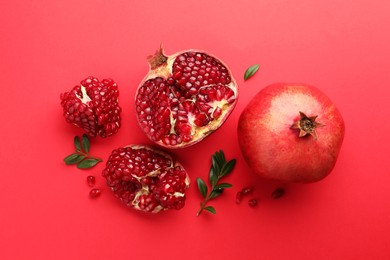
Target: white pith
(84,98)
(145,189)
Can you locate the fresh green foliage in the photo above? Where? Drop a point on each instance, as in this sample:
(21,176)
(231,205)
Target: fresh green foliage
(219,169)
(251,71)
(81,156)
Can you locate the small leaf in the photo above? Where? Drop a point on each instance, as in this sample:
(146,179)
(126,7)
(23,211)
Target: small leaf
(210,209)
(87,163)
(223,186)
(220,158)
(86,144)
(251,71)
(76,142)
(202,187)
(216,164)
(228,167)
(213,178)
(73,158)
(215,193)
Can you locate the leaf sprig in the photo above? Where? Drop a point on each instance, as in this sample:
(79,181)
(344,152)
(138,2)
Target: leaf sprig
(251,71)
(81,156)
(219,169)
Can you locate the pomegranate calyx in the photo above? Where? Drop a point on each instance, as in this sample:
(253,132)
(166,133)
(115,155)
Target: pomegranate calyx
(307,125)
(157,59)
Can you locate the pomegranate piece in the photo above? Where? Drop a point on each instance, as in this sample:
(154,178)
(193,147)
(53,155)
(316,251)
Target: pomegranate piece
(184,98)
(146,179)
(93,106)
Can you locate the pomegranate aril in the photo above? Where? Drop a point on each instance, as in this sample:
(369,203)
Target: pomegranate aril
(238,197)
(217,112)
(277,193)
(246,190)
(94,193)
(91,181)
(252,203)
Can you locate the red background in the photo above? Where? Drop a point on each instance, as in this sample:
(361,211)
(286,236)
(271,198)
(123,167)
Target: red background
(47,47)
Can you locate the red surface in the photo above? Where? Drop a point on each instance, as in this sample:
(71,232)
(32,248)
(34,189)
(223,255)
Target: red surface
(46,47)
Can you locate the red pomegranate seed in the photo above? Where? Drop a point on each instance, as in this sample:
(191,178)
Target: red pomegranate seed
(252,203)
(94,193)
(247,190)
(91,181)
(276,194)
(238,197)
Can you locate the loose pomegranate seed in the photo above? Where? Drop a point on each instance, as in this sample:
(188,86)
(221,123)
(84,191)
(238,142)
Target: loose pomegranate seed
(276,194)
(91,181)
(247,190)
(238,197)
(94,193)
(243,192)
(252,203)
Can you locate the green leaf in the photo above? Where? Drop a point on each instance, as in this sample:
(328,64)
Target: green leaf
(251,71)
(87,163)
(215,193)
(213,178)
(216,165)
(77,143)
(228,167)
(220,158)
(86,144)
(202,187)
(223,186)
(73,158)
(210,209)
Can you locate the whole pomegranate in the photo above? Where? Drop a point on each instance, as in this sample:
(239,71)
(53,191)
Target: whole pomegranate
(146,179)
(93,106)
(291,133)
(184,97)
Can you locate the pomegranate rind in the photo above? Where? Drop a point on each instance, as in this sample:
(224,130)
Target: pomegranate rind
(222,108)
(275,150)
(119,178)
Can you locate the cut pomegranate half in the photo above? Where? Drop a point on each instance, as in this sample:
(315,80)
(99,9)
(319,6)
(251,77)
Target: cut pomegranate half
(146,179)
(184,97)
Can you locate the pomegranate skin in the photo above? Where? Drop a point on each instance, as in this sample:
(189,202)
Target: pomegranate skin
(274,149)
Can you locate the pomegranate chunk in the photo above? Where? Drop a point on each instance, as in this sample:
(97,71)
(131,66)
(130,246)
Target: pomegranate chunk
(146,179)
(93,106)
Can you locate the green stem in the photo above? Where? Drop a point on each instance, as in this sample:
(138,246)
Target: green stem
(88,156)
(207,198)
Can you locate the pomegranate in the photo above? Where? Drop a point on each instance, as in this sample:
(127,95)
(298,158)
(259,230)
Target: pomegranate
(146,179)
(184,97)
(291,133)
(93,106)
